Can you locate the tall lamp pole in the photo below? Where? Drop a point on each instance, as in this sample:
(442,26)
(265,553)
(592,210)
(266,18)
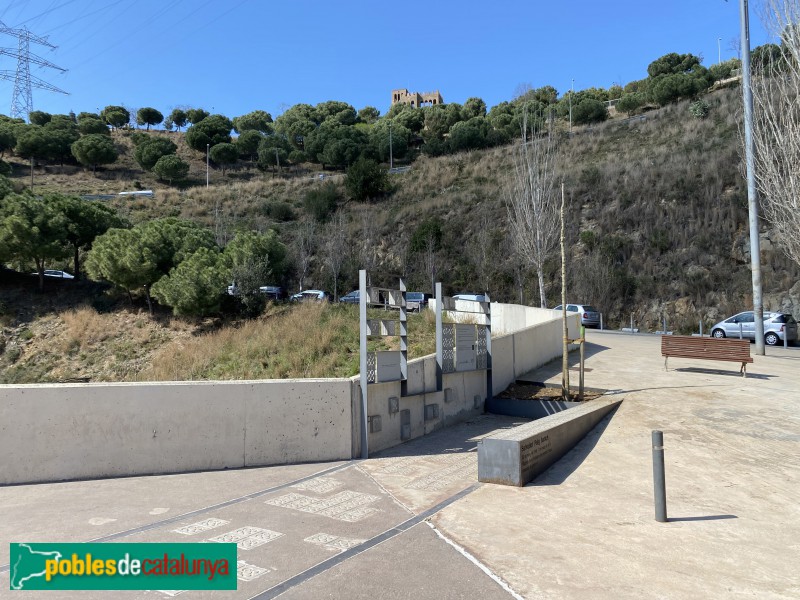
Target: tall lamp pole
(391,157)
(208,148)
(752,197)
(571,91)
(719,51)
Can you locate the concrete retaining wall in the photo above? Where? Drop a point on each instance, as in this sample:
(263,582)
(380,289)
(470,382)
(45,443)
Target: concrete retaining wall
(80,431)
(516,456)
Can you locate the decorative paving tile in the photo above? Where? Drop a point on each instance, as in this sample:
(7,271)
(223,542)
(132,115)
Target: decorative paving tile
(320,485)
(248,572)
(342,506)
(247,537)
(201,526)
(333,542)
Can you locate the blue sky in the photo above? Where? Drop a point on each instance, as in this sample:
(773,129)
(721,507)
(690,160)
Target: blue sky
(235,56)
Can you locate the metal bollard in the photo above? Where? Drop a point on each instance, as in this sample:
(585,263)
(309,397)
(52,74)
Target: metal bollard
(659,477)
(664,330)
(785,337)
(701,327)
(601,321)
(631,323)
(740,331)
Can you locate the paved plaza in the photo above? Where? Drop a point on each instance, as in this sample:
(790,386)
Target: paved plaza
(413,522)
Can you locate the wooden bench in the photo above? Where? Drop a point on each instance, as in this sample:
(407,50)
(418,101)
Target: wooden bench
(685,346)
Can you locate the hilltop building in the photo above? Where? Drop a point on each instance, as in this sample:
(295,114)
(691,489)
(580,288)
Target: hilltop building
(415,99)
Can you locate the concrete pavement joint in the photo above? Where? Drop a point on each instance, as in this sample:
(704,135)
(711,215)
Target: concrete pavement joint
(384,490)
(333,561)
(497,579)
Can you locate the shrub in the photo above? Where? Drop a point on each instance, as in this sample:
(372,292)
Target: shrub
(699,109)
(321,202)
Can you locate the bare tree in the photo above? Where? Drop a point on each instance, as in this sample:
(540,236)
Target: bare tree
(482,251)
(367,246)
(776,128)
(335,248)
(305,245)
(531,202)
(592,278)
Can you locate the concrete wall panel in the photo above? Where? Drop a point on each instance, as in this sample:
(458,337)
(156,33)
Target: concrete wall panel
(308,418)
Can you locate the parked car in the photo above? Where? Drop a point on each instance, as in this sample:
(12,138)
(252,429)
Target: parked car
(776,326)
(274,292)
(56,274)
(470,297)
(350,297)
(415,301)
(309,296)
(590,316)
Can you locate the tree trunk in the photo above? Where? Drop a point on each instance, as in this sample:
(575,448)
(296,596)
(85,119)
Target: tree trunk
(76,267)
(40,269)
(542,296)
(149,302)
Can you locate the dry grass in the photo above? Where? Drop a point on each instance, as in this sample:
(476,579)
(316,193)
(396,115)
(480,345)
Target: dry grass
(309,340)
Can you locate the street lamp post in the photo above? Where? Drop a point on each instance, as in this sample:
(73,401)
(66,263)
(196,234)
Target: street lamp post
(571,91)
(208,148)
(752,198)
(719,51)
(391,157)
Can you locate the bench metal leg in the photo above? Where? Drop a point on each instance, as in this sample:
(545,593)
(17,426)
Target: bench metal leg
(743,370)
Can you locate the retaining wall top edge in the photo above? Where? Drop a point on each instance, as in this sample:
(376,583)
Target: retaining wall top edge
(204,382)
(538,426)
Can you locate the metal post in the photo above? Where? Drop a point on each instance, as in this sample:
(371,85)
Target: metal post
(208,149)
(362,313)
(391,156)
(740,331)
(580,377)
(701,327)
(489,382)
(439,342)
(601,321)
(752,197)
(785,337)
(571,91)
(403,338)
(659,477)
(631,323)
(664,330)
(719,51)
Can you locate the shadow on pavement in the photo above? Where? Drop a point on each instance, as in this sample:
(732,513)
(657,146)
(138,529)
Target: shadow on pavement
(554,366)
(708,518)
(564,467)
(722,372)
(452,440)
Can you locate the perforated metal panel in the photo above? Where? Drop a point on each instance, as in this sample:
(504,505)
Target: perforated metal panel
(448,348)
(372,367)
(481,358)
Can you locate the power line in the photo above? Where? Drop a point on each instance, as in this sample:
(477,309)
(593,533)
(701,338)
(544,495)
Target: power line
(22,96)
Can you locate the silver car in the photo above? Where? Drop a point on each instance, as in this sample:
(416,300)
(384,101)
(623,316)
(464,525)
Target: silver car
(776,326)
(590,317)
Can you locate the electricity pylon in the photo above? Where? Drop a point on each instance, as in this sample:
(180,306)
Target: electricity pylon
(22,97)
